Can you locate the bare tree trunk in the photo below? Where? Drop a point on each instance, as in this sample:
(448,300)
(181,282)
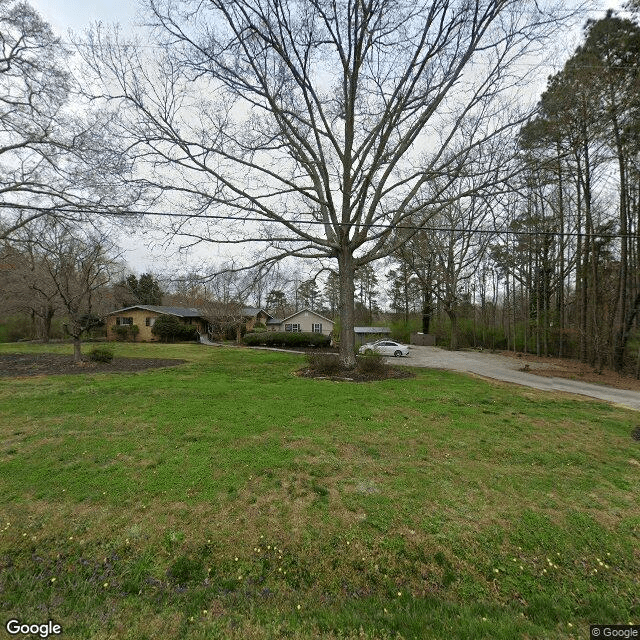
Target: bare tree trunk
(545,312)
(624,337)
(507,303)
(77,349)
(426,310)
(346,272)
(453,316)
(560,297)
(618,340)
(590,239)
(514,311)
(581,284)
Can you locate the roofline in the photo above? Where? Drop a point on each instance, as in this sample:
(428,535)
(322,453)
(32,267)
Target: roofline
(259,310)
(149,307)
(307,309)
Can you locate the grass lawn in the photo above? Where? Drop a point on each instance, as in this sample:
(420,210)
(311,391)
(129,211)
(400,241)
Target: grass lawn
(227,498)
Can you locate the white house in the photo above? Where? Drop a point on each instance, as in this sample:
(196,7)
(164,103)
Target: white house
(303,321)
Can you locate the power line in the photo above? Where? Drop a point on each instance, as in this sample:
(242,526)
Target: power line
(399,227)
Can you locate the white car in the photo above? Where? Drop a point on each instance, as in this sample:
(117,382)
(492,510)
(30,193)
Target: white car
(385,348)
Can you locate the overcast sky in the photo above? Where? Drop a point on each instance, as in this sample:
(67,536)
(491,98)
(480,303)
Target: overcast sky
(77,14)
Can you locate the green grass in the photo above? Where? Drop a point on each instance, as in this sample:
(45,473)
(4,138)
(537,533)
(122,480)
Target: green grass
(228,498)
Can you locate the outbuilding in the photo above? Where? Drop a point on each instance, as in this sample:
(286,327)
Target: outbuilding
(369,334)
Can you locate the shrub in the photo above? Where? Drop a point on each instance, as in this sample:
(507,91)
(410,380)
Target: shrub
(18,328)
(101,354)
(231,333)
(372,365)
(401,329)
(121,331)
(285,339)
(324,363)
(170,328)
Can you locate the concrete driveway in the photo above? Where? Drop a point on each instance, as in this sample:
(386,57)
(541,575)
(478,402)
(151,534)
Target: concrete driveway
(503,368)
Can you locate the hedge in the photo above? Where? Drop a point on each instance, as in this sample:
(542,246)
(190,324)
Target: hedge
(169,328)
(286,339)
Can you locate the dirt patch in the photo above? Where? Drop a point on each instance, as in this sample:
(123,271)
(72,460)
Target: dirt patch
(572,370)
(17,365)
(391,373)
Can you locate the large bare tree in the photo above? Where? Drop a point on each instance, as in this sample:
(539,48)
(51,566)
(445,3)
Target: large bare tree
(316,127)
(54,162)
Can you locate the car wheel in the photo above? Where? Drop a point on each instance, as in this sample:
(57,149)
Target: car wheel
(398,353)
(368,352)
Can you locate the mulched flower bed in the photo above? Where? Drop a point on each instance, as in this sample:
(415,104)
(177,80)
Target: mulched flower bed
(18,365)
(391,373)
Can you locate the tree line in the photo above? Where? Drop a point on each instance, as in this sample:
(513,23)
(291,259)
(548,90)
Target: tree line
(387,149)
(556,258)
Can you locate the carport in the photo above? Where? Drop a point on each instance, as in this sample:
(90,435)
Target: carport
(368,334)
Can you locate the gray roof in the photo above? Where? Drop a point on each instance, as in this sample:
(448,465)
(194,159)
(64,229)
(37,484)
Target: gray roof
(307,309)
(181,312)
(253,311)
(372,330)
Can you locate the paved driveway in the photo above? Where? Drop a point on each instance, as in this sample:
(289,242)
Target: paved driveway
(505,368)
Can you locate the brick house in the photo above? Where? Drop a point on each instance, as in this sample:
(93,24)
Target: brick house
(144,316)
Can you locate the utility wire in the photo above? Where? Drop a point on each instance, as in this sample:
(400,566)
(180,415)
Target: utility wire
(404,227)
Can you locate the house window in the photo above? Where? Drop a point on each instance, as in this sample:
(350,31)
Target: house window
(292,328)
(120,321)
(149,322)
(316,328)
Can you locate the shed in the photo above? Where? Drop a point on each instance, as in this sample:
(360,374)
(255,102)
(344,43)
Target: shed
(364,334)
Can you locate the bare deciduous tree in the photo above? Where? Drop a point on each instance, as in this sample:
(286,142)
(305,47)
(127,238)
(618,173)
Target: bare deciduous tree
(224,317)
(54,160)
(79,267)
(318,127)
(26,287)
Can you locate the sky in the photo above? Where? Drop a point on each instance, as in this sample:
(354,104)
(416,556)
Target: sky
(78,15)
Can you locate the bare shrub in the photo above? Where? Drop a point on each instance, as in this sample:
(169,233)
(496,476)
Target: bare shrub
(324,363)
(372,365)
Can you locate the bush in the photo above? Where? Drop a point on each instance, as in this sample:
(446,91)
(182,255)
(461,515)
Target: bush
(121,331)
(372,365)
(285,339)
(324,363)
(401,329)
(170,329)
(101,354)
(18,328)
